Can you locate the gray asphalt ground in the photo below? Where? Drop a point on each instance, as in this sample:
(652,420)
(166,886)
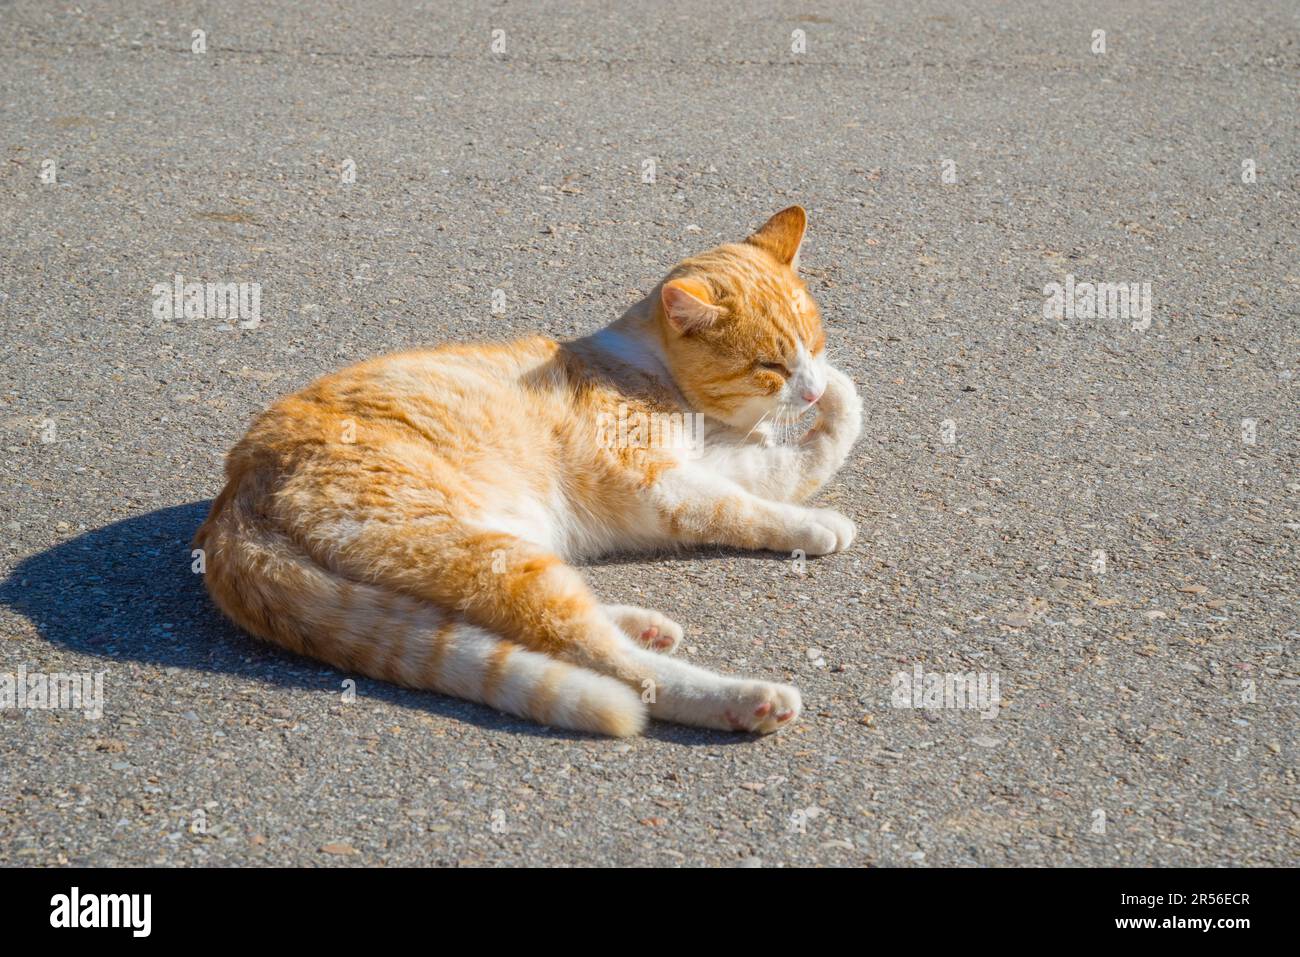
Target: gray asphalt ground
(1148,710)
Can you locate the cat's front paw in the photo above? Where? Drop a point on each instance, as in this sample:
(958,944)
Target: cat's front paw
(839,410)
(822,531)
(841,395)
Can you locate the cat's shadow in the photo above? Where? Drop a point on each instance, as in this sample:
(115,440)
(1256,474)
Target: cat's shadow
(128,592)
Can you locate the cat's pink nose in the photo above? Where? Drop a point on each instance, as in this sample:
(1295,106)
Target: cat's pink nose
(810,397)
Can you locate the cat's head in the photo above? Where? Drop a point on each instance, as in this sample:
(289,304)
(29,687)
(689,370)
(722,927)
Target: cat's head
(742,336)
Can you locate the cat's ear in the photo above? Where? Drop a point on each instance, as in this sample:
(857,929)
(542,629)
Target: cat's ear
(687,305)
(782,235)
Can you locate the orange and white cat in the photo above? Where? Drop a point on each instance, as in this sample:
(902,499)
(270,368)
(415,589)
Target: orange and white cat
(409,518)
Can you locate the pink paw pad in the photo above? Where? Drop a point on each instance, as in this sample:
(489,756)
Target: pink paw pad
(655,639)
(762,709)
(785,715)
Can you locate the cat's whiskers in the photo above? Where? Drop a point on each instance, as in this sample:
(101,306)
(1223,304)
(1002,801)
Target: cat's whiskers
(757,424)
(785,427)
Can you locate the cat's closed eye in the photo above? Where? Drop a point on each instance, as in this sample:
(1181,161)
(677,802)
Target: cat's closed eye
(778,367)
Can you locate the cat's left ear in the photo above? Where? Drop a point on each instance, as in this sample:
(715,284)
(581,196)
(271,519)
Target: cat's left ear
(782,235)
(687,306)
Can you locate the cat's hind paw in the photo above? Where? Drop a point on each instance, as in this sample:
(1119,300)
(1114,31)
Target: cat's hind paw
(647,627)
(762,707)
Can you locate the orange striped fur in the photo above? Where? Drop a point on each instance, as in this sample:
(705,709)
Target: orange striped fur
(409,518)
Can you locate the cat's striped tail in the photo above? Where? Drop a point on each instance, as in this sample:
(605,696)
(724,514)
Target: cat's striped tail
(270,587)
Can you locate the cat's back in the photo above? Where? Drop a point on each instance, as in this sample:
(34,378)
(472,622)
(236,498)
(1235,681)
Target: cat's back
(451,388)
(440,373)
